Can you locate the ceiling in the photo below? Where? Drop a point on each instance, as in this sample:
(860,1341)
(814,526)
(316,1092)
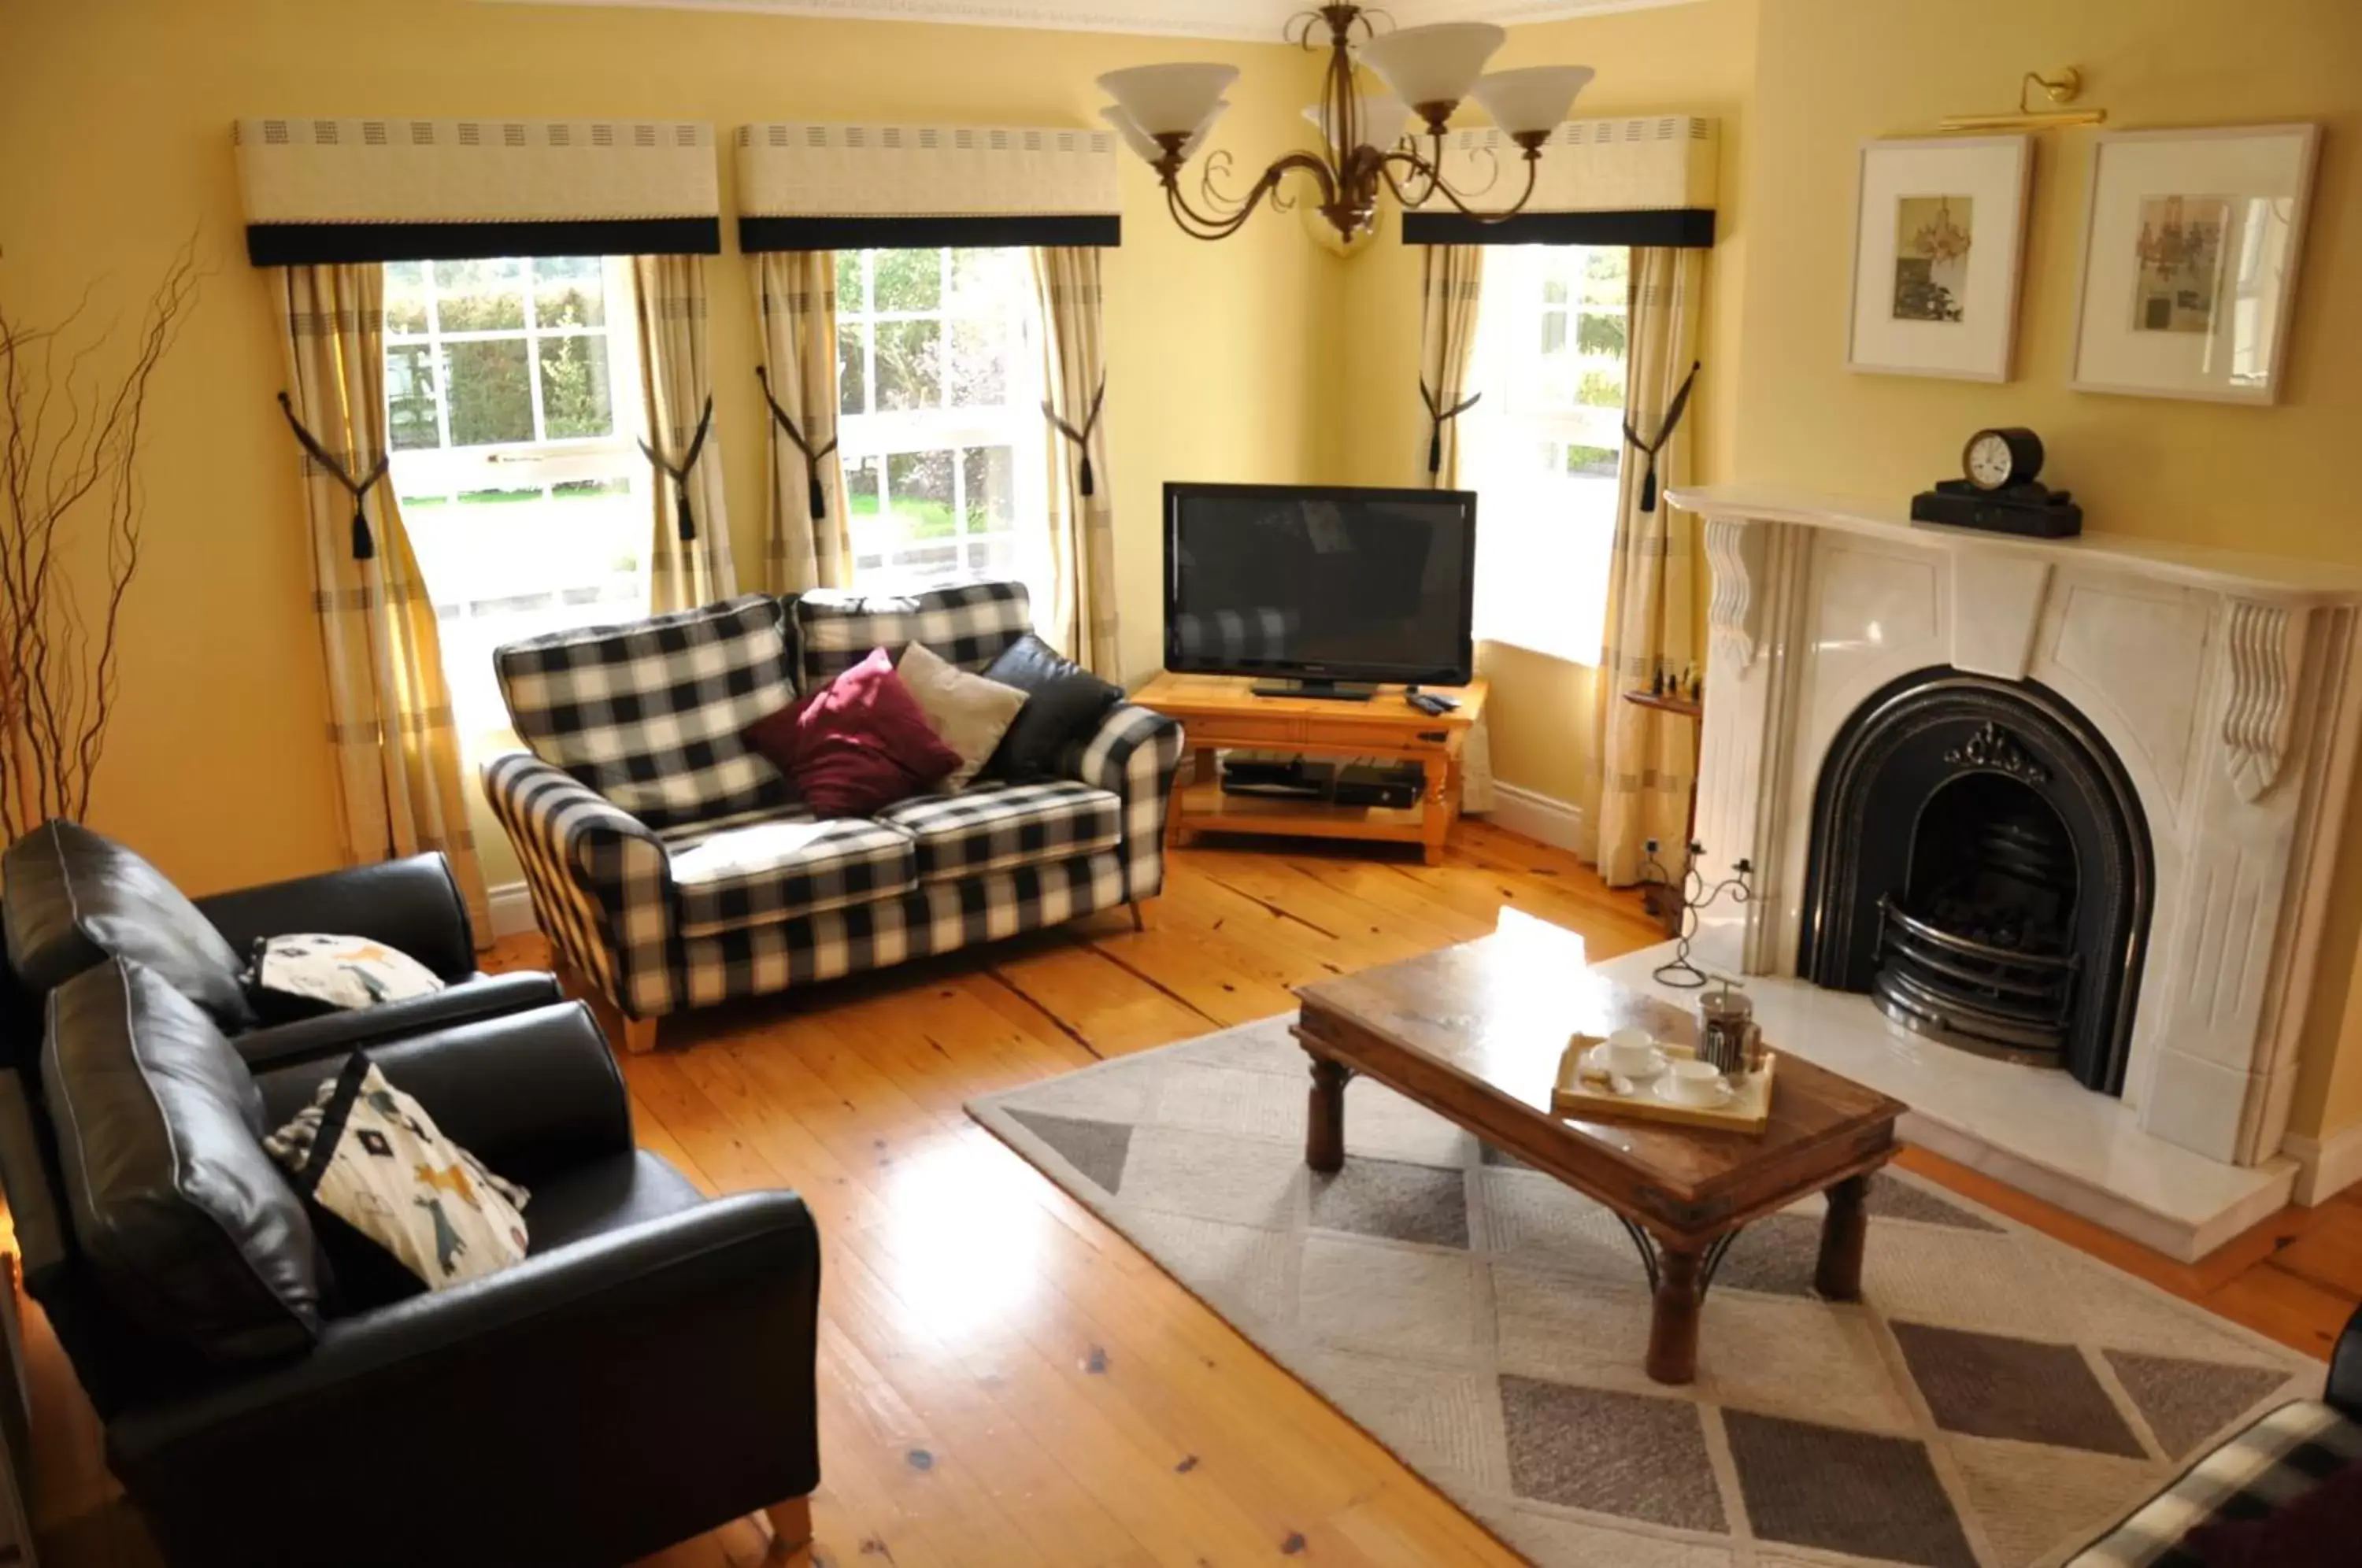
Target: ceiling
(1258,21)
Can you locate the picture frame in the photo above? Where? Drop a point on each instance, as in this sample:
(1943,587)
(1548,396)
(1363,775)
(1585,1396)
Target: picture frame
(1939,250)
(2193,242)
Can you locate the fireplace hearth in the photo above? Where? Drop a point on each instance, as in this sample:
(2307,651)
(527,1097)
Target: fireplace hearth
(1979,866)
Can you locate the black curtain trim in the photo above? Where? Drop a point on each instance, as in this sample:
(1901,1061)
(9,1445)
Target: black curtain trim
(1673,227)
(314,244)
(1085,230)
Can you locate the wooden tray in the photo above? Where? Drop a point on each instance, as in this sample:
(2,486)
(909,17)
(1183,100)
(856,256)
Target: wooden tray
(1746,1112)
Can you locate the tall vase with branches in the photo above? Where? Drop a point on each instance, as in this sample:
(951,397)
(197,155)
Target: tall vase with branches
(70,510)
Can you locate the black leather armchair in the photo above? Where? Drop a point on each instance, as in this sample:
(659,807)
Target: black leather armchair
(645,1375)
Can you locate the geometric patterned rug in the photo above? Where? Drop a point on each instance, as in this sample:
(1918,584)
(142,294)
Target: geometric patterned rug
(1996,1401)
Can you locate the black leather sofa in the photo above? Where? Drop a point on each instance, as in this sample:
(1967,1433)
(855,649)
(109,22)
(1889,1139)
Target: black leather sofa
(645,1375)
(71,899)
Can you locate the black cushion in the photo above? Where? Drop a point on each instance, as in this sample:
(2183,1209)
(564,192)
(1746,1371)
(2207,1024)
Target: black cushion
(1064,702)
(76,898)
(183,1218)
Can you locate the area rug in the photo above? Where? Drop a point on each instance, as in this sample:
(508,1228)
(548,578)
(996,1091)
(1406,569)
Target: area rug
(1995,1402)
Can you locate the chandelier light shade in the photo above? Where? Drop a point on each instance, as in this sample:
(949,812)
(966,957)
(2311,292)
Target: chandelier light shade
(1169,100)
(1163,113)
(1534,99)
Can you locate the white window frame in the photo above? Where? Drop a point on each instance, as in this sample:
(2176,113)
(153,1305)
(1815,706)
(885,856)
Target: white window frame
(883,434)
(1546,537)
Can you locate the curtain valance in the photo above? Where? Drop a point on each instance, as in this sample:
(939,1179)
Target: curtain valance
(811,186)
(384,190)
(1635,181)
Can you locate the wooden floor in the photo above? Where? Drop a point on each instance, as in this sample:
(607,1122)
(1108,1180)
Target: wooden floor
(1005,1380)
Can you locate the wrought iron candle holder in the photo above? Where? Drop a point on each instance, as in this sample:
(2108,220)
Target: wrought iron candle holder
(1696,898)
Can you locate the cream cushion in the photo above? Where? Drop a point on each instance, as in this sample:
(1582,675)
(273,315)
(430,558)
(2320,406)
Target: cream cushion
(969,712)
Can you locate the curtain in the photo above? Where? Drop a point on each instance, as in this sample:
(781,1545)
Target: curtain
(1643,769)
(807,542)
(1451,290)
(390,723)
(1082,541)
(676,381)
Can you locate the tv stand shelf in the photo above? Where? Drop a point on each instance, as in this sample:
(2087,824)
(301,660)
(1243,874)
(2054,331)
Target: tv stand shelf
(1220,712)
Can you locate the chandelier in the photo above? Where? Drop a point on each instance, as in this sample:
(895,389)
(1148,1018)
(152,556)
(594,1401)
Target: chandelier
(1164,113)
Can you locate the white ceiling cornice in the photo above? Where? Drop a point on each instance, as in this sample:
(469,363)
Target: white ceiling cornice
(1250,21)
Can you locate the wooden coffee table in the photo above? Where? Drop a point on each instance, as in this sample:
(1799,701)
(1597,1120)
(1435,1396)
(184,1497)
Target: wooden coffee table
(1474,1034)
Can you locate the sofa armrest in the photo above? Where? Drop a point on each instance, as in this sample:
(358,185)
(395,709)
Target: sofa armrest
(2346,1369)
(413,904)
(571,1408)
(1136,754)
(601,879)
(528,1093)
(338,1033)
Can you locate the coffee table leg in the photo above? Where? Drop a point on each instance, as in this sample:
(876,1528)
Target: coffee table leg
(1324,1134)
(1843,1231)
(1673,1330)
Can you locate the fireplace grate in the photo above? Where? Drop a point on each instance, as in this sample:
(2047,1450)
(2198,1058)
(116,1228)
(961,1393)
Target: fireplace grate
(1994,992)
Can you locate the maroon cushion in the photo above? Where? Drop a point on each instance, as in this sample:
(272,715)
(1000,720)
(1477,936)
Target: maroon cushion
(859,743)
(2317,1530)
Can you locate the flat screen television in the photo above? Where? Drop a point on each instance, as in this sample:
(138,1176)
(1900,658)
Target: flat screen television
(1323,588)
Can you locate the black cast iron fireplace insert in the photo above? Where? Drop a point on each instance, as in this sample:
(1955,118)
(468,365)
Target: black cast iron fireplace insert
(1980,865)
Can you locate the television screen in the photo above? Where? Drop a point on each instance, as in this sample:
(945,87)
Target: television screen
(1323,584)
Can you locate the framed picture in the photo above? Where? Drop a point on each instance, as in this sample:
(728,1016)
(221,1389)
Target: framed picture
(2190,245)
(1939,238)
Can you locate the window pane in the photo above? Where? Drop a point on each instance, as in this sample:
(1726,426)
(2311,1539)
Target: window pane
(910,361)
(1553,332)
(1605,274)
(979,366)
(861,486)
(1597,332)
(918,488)
(569,290)
(410,397)
(909,279)
(990,476)
(574,393)
(852,373)
(1602,386)
(405,297)
(490,391)
(481,296)
(850,300)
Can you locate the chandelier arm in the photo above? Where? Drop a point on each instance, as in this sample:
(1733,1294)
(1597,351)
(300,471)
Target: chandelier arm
(1220,226)
(1439,187)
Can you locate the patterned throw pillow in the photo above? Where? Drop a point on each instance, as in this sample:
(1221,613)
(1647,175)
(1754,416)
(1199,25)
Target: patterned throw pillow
(371,1156)
(308,974)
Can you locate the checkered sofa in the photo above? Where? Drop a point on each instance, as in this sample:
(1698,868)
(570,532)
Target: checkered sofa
(2274,1460)
(671,865)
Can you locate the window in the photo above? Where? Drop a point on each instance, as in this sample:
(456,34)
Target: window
(513,388)
(941,436)
(1544,446)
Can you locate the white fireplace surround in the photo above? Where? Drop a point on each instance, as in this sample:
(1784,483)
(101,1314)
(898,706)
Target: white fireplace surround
(2226,683)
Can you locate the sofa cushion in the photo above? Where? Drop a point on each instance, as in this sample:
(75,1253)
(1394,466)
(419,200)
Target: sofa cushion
(790,865)
(186,1224)
(967,625)
(970,713)
(2277,1459)
(994,826)
(652,714)
(1063,703)
(858,742)
(76,898)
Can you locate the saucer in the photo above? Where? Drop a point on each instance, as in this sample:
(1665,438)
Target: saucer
(1663,1088)
(1597,1057)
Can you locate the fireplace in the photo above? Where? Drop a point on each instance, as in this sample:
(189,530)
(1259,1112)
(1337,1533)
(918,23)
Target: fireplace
(1979,866)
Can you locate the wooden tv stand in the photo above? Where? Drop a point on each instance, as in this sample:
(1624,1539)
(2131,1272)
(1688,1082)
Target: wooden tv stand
(1220,712)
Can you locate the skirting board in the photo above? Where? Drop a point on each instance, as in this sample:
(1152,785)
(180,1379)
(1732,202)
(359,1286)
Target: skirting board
(1539,816)
(511,905)
(2325,1167)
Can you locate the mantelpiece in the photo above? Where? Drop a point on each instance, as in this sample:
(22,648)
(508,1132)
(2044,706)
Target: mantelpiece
(2224,682)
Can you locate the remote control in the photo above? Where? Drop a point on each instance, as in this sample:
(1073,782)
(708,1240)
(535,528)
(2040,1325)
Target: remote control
(1431,702)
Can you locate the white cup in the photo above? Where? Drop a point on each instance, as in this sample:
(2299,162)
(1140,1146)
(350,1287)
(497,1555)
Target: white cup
(1630,1051)
(1696,1083)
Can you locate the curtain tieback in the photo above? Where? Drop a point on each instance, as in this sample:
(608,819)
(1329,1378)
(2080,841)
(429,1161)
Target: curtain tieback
(1673,411)
(812,460)
(1085,481)
(364,547)
(1436,416)
(680,475)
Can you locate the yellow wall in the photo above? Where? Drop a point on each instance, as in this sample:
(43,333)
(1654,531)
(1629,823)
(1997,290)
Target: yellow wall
(116,121)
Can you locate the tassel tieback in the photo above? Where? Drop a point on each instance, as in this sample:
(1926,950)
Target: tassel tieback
(817,494)
(679,474)
(364,545)
(1650,449)
(1436,416)
(1085,481)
